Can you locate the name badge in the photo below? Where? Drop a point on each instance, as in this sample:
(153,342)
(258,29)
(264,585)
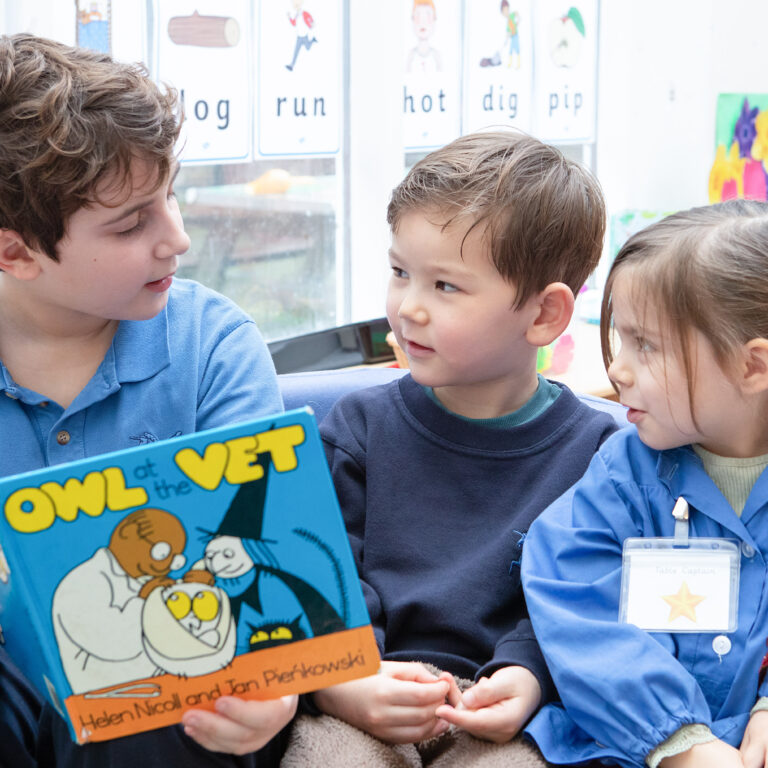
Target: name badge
(669,586)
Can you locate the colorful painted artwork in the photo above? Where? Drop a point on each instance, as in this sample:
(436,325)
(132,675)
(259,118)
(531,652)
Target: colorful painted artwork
(741,148)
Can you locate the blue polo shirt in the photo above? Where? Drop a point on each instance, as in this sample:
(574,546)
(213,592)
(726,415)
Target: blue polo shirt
(200,363)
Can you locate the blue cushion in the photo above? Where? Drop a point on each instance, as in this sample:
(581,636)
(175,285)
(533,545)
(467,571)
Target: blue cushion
(320,389)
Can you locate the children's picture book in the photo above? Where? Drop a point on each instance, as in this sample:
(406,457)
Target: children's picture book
(138,584)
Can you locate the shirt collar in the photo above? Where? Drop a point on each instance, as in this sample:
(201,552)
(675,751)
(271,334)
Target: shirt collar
(141,348)
(682,472)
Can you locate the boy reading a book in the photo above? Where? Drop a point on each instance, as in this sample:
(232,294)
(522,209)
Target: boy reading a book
(100,347)
(440,473)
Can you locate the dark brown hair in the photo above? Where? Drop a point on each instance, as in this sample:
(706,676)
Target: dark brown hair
(704,269)
(543,214)
(70,118)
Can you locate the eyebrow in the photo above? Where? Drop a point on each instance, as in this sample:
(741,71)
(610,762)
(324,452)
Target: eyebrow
(139,206)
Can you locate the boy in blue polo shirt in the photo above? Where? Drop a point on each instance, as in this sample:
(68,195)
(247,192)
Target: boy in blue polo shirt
(100,347)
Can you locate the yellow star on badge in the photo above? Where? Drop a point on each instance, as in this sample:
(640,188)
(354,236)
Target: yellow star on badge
(683,603)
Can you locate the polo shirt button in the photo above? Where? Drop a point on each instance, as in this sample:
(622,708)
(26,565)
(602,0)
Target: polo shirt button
(747,549)
(721,645)
(63,437)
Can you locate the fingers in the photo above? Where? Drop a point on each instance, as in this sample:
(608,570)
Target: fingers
(239,726)
(454,694)
(506,683)
(497,724)
(482,694)
(393,706)
(407,670)
(416,730)
(753,754)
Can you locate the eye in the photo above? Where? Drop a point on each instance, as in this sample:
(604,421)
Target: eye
(160,551)
(259,637)
(178,604)
(134,229)
(281,633)
(644,346)
(205,606)
(441,285)
(401,273)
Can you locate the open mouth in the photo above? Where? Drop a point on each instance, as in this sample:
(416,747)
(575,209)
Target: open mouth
(411,347)
(161,285)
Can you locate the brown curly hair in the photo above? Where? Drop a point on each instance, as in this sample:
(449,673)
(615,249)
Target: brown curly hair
(543,215)
(69,119)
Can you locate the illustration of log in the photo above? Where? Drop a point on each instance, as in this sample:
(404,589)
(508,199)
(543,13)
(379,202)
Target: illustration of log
(204,31)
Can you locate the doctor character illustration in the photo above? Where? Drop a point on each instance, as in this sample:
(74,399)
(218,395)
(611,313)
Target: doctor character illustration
(97,606)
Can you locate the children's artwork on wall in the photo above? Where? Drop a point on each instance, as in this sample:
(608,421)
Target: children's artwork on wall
(431,73)
(565,70)
(741,148)
(198,44)
(498,64)
(94,25)
(299,96)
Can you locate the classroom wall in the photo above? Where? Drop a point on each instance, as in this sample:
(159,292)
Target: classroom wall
(662,65)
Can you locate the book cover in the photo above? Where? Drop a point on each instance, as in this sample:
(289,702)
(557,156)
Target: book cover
(138,584)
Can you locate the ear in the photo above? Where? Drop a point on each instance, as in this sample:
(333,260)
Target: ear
(555,309)
(16,258)
(753,375)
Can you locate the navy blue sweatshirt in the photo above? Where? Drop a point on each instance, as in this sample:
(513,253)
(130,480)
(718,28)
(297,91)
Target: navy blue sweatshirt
(437,509)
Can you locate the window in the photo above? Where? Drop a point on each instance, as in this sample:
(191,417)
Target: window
(285,210)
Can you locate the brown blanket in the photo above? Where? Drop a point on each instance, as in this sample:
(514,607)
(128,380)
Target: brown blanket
(326,742)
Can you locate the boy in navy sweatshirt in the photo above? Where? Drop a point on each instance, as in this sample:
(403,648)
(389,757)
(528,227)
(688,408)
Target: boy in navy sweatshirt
(440,473)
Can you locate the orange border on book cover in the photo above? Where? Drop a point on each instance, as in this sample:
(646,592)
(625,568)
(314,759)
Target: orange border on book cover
(155,702)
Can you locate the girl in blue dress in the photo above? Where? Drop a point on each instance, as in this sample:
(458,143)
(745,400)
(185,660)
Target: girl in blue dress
(647,581)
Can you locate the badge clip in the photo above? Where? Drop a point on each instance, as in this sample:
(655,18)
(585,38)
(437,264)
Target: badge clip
(680,513)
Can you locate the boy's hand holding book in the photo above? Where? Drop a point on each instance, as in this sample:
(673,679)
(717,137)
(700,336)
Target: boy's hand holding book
(239,726)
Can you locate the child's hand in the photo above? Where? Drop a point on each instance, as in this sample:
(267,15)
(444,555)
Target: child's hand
(496,707)
(754,745)
(397,705)
(237,726)
(712,754)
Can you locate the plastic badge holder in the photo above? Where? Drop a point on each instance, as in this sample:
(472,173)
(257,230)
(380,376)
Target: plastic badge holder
(669,585)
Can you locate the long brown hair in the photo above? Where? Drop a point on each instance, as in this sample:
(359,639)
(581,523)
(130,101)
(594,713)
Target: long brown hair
(704,269)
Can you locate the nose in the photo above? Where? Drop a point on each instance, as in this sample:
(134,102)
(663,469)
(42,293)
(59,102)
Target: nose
(174,240)
(619,372)
(412,308)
